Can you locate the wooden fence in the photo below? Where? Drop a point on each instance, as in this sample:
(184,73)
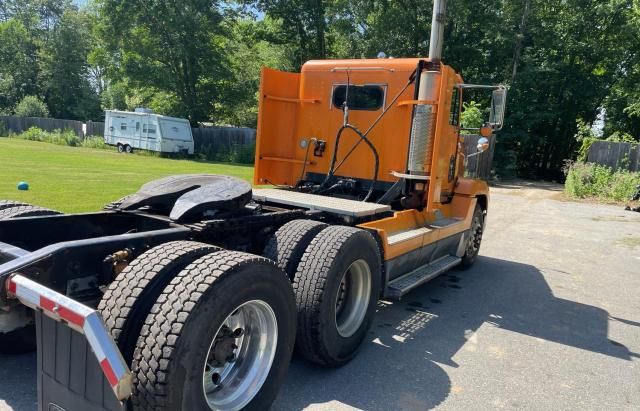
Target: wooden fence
(20,124)
(94,128)
(615,155)
(478,166)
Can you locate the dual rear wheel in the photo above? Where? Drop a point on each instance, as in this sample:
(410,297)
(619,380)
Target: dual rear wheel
(206,328)
(217,327)
(336,275)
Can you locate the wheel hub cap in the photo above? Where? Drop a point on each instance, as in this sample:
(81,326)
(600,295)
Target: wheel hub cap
(240,356)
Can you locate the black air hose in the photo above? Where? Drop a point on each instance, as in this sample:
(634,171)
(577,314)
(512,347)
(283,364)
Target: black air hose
(334,158)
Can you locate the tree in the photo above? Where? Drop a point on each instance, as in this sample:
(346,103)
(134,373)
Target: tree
(173,47)
(18,64)
(31,106)
(65,69)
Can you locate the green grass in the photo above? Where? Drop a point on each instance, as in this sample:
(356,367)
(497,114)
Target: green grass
(76,179)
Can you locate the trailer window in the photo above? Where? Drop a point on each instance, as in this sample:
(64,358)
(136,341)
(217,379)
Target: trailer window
(368,97)
(123,126)
(149,128)
(137,126)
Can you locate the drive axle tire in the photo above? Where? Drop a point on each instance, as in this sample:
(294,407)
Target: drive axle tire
(25,211)
(287,245)
(4,204)
(337,286)
(129,298)
(472,246)
(20,341)
(220,336)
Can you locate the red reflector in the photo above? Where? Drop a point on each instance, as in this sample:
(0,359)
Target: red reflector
(11,286)
(47,304)
(108,372)
(72,317)
(64,313)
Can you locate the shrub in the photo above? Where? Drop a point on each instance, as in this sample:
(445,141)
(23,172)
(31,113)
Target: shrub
(94,142)
(3,130)
(31,106)
(242,154)
(587,180)
(63,138)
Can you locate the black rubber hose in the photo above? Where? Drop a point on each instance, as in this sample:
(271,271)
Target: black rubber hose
(334,158)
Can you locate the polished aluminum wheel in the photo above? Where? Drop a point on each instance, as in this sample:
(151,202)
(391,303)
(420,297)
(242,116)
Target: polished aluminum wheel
(352,299)
(240,356)
(475,236)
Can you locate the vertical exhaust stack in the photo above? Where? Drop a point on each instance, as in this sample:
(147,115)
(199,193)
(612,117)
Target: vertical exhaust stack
(437,30)
(422,127)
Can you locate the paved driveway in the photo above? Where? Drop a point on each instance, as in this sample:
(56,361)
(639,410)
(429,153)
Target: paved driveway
(548,318)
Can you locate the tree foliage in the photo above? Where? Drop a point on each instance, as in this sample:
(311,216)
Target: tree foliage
(564,61)
(31,106)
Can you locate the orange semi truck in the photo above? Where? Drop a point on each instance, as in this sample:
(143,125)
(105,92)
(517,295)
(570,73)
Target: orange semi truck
(192,293)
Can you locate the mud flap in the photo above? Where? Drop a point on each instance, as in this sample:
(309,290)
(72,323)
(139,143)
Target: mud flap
(69,375)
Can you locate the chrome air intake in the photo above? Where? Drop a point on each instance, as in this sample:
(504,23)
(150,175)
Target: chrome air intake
(423,125)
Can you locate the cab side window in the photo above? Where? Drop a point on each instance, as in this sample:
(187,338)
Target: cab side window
(454,116)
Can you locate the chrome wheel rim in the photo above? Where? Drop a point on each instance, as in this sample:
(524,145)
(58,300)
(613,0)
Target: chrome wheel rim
(476,236)
(240,356)
(352,298)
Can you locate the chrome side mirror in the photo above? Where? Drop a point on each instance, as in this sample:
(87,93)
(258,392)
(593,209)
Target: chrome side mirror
(498,104)
(483,144)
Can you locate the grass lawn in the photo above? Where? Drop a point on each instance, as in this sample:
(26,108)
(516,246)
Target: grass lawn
(73,179)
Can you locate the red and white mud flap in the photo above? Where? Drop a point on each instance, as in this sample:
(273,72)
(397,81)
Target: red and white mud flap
(81,318)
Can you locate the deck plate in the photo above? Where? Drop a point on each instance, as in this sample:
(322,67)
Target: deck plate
(317,202)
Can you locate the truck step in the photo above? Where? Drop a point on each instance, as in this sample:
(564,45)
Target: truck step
(407,235)
(402,285)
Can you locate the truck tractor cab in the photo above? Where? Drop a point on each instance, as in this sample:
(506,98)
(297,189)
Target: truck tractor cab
(192,293)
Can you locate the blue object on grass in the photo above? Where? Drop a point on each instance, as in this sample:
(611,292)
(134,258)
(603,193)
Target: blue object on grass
(23,185)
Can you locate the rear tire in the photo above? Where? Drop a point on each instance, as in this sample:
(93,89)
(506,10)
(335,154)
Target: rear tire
(183,337)
(287,245)
(337,286)
(120,148)
(4,204)
(472,246)
(25,211)
(128,300)
(128,149)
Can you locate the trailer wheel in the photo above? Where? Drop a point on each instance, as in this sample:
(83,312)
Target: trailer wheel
(20,341)
(129,298)
(337,286)
(120,148)
(128,149)
(472,248)
(287,245)
(4,204)
(25,211)
(219,337)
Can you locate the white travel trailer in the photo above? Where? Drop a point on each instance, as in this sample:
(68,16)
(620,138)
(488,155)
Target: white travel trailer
(147,131)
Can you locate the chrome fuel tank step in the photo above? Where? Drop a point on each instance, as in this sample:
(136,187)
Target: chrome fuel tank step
(403,284)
